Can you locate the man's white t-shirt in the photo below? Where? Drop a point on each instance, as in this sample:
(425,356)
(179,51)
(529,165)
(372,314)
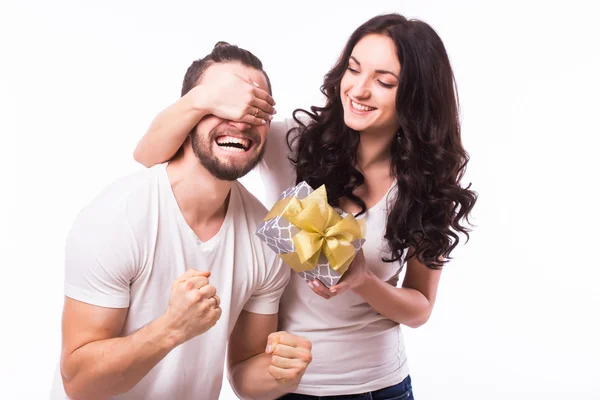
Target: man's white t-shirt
(354,348)
(128,246)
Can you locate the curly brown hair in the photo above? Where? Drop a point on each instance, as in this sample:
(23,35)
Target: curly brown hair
(428,160)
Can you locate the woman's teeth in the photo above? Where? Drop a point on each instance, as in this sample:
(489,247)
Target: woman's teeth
(360,107)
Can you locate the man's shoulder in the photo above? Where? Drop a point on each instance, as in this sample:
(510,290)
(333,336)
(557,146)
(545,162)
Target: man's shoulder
(250,205)
(126,196)
(249,214)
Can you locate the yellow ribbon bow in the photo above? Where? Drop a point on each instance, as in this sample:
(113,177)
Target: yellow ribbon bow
(322,229)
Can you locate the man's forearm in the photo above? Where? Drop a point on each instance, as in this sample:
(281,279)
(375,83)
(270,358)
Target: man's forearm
(105,368)
(251,380)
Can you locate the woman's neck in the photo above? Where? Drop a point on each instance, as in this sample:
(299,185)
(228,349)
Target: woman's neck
(374,151)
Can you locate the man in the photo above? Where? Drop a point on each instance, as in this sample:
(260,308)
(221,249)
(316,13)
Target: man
(164,266)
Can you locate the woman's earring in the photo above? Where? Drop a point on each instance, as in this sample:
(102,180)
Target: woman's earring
(398,137)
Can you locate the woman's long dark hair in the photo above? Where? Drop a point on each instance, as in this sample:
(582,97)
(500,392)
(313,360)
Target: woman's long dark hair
(428,161)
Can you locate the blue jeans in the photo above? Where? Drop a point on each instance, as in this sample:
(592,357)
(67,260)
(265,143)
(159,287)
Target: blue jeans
(401,391)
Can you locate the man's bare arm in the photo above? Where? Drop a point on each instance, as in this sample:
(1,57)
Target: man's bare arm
(258,372)
(97,364)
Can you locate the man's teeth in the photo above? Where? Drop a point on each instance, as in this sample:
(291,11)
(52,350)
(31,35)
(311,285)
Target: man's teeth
(360,107)
(234,142)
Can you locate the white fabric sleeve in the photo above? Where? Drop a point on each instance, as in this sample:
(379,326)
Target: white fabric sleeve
(274,173)
(265,299)
(100,258)
(277,151)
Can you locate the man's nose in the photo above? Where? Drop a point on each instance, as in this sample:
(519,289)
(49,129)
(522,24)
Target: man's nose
(241,126)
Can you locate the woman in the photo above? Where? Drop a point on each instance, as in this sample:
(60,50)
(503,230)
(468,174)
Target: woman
(387,146)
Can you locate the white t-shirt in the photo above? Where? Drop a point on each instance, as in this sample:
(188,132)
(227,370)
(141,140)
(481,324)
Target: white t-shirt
(355,349)
(128,246)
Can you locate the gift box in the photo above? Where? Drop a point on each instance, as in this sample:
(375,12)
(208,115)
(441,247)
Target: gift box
(310,235)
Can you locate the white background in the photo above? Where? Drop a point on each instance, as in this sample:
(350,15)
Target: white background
(517,313)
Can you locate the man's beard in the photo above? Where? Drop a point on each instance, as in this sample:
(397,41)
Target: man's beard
(224,171)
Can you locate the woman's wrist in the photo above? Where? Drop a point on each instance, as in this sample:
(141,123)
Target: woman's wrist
(368,282)
(198,100)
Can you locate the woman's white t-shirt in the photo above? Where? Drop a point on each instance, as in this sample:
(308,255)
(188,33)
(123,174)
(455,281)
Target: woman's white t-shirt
(355,349)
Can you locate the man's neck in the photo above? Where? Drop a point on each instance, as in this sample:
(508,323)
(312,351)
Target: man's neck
(201,197)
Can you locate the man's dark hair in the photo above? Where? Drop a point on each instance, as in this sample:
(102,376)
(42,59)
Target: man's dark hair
(222,52)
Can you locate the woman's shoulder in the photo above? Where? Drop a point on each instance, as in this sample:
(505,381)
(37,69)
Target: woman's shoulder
(278,139)
(280,128)
(283,126)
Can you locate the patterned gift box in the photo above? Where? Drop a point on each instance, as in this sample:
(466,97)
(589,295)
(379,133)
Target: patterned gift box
(310,236)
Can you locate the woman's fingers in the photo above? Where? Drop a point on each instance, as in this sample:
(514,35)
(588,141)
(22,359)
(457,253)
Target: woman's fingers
(320,289)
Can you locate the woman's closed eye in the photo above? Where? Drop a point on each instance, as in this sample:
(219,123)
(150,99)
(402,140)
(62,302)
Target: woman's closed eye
(386,85)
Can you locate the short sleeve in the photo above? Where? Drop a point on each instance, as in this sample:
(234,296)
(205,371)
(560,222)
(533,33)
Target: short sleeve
(100,259)
(265,299)
(275,170)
